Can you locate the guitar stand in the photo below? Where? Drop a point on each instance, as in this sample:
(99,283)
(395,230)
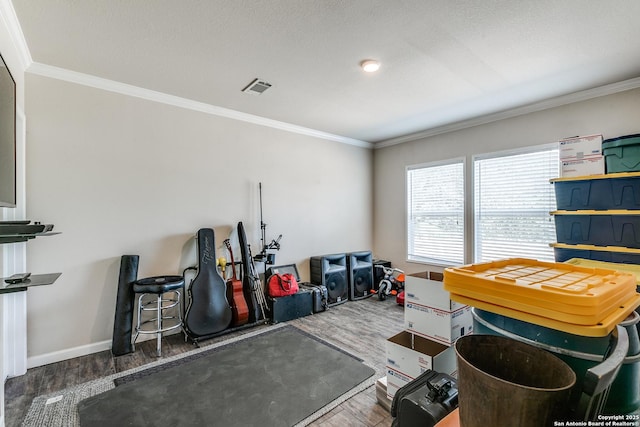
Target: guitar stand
(196,340)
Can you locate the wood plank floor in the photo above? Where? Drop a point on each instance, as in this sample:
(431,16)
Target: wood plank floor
(360,327)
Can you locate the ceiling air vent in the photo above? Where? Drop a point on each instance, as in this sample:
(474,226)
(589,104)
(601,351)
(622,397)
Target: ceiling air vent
(256,87)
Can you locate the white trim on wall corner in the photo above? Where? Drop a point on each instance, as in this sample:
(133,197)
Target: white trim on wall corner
(558,101)
(151,95)
(10,19)
(68,353)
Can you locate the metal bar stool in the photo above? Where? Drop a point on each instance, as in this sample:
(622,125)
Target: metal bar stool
(159,285)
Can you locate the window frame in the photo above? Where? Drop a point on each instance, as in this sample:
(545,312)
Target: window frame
(407,217)
(469,214)
(472,176)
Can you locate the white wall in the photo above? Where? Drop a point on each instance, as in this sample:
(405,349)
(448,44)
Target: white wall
(121,175)
(612,116)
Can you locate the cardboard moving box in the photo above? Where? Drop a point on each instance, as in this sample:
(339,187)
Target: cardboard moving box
(430,312)
(582,167)
(580,147)
(439,325)
(409,355)
(429,293)
(381,393)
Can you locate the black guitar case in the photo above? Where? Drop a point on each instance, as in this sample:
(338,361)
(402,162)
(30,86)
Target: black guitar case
(255,313)
(208,311)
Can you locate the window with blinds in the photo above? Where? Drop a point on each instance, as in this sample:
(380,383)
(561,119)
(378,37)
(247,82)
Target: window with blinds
(435,224)
(513,198)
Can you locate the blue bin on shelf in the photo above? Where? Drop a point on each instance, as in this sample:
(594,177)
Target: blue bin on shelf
(599,228)
(598,192)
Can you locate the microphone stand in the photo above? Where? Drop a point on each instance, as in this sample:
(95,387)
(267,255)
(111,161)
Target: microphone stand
(263,256)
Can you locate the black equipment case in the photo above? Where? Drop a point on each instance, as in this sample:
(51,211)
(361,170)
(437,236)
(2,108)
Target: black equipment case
(291,306)
(320,296)
(424,401)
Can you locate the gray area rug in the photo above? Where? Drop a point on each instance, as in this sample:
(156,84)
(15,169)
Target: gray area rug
(274,377)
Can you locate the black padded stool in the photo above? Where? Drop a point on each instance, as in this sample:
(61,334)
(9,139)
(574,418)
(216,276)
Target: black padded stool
(159,285)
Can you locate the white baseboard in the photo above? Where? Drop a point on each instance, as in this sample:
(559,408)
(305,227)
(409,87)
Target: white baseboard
(83,350)
(69,353)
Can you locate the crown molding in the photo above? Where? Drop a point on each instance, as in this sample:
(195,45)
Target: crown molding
(514,112)
(189,104)
(10,20)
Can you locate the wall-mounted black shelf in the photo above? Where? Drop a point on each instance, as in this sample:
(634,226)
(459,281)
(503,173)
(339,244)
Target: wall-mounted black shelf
(33,280)
(23,230)
(15,238)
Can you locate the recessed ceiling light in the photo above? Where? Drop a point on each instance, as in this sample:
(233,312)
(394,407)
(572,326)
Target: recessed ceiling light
(370,65)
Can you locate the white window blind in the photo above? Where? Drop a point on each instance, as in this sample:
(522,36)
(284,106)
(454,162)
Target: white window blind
(436,213)
(513,198)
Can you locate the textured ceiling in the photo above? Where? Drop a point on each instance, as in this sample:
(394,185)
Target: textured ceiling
(443,61)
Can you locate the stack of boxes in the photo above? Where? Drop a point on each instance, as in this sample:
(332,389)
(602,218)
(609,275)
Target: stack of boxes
(430,313)
(598,216)
(432,325)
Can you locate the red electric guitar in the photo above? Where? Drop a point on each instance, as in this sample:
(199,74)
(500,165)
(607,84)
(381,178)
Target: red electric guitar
(235,295)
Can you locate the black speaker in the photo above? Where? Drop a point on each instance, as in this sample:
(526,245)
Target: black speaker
(123,322)
(331,272)
(360,274)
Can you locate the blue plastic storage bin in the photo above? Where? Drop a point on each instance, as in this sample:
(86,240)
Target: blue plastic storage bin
(600,228)
(598,192)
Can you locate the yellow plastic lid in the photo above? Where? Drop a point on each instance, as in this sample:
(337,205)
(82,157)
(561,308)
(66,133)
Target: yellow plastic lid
(542,281)
(593,302)
(629,268)
(590,177)
(579,315)
(592,212)
(601,329)
(620,249)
